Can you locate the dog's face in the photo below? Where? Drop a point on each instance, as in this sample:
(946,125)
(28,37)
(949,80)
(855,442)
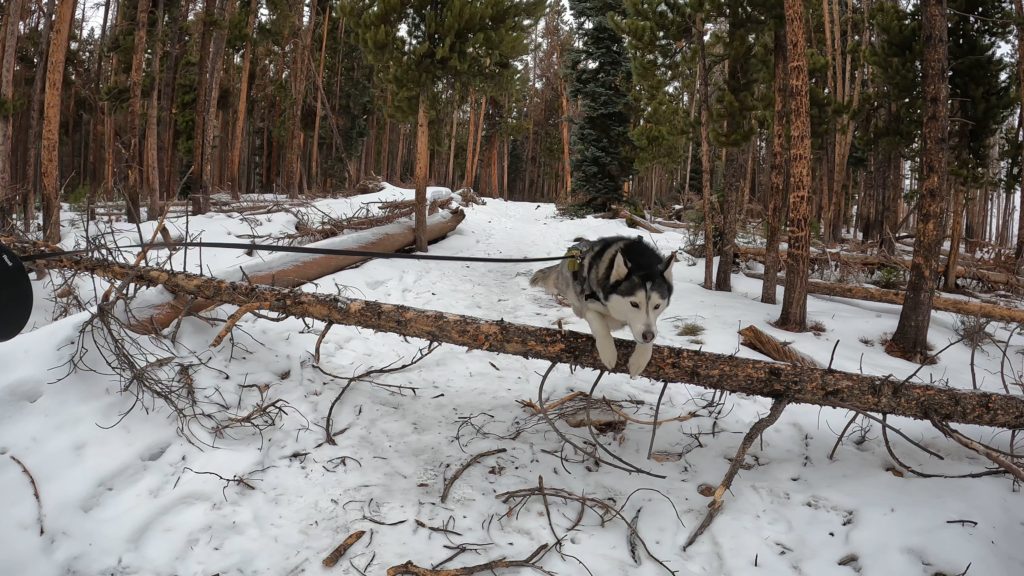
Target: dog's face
(641,296)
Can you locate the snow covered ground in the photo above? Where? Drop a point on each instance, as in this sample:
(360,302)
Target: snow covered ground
(132,498)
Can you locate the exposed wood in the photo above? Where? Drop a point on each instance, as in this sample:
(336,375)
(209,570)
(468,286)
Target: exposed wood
(288,271)
(332,559)
(710,370)
(759,340)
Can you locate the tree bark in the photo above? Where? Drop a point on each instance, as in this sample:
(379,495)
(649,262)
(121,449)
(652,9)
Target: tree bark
(797,384)
(235,158)
(956,236)
(150,160)
(202,93)
(315,147)
(777,191)
(422,169)
(35,121)
(133,192)
(12,22)
(51,120)
(297,81)
(705,156)
(1018,7)
(910,341)
(794,301)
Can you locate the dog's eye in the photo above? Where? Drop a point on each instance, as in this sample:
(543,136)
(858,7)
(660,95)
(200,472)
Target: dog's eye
(635,305)
(657,306)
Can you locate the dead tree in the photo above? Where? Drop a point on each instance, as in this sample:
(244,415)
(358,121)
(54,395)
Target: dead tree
(797,384)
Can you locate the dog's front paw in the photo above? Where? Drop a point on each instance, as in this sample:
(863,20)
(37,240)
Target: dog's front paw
(639,359)
(606,350)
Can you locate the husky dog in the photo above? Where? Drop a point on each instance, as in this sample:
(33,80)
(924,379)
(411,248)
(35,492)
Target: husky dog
(614,282)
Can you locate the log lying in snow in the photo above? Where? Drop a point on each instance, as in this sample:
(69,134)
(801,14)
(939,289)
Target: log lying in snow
(290,270)
(822,259)
(743,375)
(942,303)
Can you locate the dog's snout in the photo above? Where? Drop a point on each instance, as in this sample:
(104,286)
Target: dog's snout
(648,336)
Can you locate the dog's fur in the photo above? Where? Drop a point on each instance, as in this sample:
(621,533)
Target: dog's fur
(620,281)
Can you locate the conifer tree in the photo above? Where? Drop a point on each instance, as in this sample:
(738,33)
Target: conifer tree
(602,149)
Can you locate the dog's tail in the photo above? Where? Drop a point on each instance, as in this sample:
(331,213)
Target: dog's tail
(544,277)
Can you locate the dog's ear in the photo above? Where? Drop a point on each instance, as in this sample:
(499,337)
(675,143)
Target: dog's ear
(620,268)
(666,266)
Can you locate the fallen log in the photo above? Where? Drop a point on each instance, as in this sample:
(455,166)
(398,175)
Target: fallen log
(290,270)
(798,384)
(941,303)
(823,259)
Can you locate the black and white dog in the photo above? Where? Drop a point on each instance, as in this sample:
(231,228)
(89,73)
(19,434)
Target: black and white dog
(614,282)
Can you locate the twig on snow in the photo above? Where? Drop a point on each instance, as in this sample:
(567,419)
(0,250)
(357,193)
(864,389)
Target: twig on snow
(411,569)
(338,552)
(715,506)
(451,481)
(35,490)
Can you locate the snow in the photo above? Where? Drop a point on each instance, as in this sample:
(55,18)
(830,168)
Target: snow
(129,498)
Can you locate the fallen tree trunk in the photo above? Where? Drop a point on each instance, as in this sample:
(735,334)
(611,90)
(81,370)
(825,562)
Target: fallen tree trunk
(823,259)
(941,303)
(291,270)
(795,383)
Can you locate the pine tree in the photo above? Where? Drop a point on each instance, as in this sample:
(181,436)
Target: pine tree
(602,149)
(794,301)
(910,341)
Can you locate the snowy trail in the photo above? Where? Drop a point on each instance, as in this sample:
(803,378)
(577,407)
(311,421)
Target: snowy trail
(120,500)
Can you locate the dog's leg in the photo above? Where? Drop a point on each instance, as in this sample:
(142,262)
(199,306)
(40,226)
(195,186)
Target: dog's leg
(639,359)
(603,338)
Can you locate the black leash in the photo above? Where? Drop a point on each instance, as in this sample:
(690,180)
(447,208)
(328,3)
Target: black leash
(301,250)
(16,289)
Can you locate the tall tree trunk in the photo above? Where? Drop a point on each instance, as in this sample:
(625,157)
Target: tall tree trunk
(202,95)
(956,218)
(777,192)
(315,148)
(235,158)
(12,22)
(134,188)
(150,161)
(563,92)
(297,77)
(422,167)
(910,341)
(51,120)
(450,176)
(705,156)
(467,179)
(1018,6)
(794,301)
(225,10)
(35,121)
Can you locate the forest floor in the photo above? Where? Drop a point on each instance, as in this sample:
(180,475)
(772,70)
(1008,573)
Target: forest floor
(130,494)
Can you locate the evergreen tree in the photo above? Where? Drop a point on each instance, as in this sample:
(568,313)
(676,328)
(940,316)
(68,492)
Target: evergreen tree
(602,150)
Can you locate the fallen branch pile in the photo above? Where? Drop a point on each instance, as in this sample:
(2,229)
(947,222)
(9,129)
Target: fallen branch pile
(798,384)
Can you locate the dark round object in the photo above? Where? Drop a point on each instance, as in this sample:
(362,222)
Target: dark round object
(15,295)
